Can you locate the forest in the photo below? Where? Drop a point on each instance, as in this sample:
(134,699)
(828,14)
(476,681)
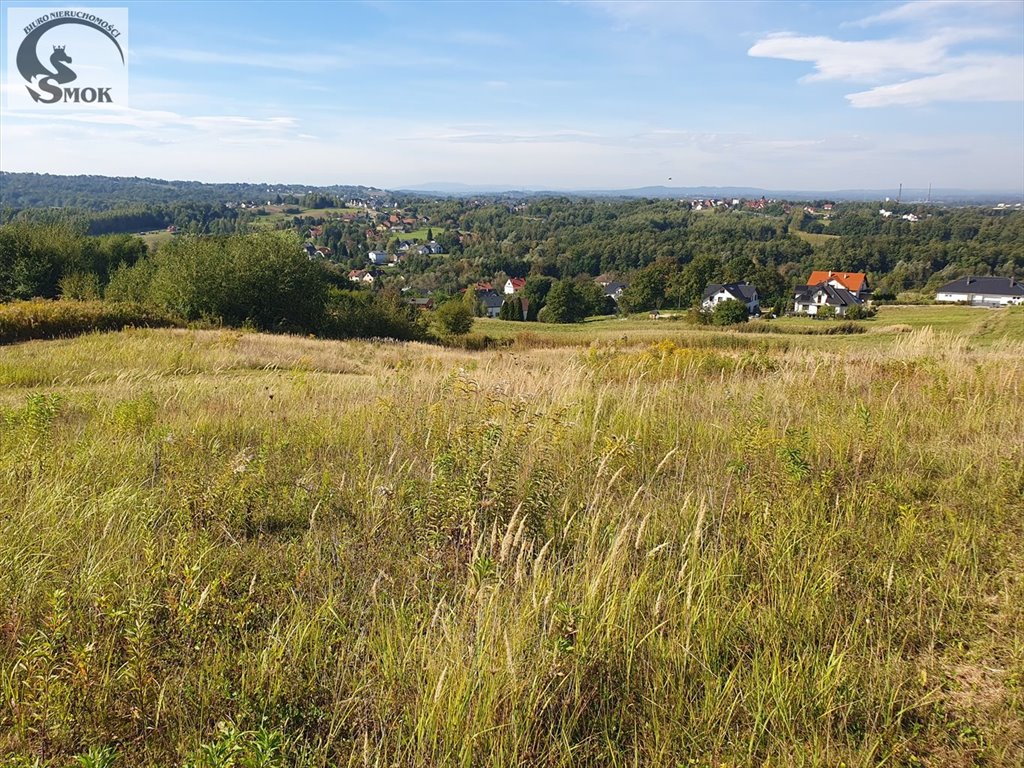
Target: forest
(664,250)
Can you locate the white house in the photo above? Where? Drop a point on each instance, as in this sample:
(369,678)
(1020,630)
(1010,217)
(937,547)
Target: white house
(514,285)
(491,301)
(379,257)
(983,291)
(811,299)
(716,293)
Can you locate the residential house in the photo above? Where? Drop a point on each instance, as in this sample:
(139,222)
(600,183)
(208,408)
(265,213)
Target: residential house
(716,293)
(983,291)
(810,299)
(491,300)
(379,257)
(361,276)
(614,289)
(514,285)
(854,282)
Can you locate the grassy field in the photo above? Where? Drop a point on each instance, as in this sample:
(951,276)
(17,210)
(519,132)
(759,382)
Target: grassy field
(814,238)
(156,238)
(975,325)
(276,214)
(227,549)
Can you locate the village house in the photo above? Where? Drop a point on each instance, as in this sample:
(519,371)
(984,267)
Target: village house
(838,290)
(983,291)
(746,293)
(614,290)
(490,299)
(854,282)
(811,299)
(513,285)
(379,257)
(361,276)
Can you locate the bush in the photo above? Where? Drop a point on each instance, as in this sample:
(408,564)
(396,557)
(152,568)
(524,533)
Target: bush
(453,318)
(363,314)
(264,281)
(46,319)
(729,312)
(860,312)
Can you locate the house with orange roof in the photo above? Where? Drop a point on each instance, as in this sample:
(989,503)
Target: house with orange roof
(838,290)
(854,282)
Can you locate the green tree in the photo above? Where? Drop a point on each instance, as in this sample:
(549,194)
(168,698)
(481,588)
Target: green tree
(453,318)
(729,312)
(565,303)
(647,289)
(535,293)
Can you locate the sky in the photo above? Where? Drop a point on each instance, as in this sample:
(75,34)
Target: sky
(559,95)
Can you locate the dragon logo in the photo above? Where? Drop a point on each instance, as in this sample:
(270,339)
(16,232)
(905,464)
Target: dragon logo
(50,80)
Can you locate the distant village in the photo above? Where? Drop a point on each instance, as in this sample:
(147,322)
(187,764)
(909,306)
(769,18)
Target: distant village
(826,293)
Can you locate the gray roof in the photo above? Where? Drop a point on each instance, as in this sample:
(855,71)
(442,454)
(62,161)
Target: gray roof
(744,292)
(985,286)
(490,299)
(835,297)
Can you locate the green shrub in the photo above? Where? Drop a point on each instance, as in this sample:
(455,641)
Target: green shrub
(352,314)
(453,318)
(46,319)
(729,312)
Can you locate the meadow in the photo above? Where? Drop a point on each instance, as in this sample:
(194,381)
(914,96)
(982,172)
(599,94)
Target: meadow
(603,545)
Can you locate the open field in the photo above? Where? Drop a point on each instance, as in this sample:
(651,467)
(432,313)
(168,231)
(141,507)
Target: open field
(228,549)
(157,237)
(814,238)
(973,324)
(276,214)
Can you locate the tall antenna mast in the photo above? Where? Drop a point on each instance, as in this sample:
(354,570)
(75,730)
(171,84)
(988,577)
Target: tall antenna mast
(900,195)
(929,192)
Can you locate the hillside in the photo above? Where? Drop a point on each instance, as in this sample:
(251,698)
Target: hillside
(219,546)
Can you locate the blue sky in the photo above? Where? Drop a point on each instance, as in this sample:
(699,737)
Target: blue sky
(566,95)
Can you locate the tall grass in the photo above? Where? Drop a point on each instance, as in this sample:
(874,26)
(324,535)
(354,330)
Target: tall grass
(225,549)
(43,319)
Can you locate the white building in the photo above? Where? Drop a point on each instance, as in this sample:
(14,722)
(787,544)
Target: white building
(983,291)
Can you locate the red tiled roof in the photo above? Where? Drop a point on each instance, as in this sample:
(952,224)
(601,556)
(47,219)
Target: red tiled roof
(851,281)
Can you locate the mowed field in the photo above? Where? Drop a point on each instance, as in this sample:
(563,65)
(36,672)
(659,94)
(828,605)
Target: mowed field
(641,546)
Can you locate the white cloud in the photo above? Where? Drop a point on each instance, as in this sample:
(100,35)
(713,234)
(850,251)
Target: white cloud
(865,60)
(983,74)
(997,79)
(931,11)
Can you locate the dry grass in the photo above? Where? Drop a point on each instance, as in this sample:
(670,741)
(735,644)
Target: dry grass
(228,549)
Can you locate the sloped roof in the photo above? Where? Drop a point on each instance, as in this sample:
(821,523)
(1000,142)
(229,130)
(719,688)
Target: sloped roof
(851,281)
(490,298)
(985,286)
(744,292)
(835,297)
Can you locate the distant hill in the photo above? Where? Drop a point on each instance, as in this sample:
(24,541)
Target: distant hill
(36,190)
(43,190)
(941,195)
